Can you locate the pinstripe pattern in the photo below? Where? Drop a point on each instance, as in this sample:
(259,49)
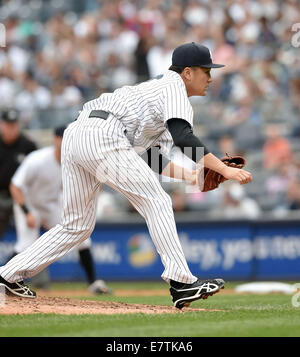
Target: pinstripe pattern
(97,151)
(145,108)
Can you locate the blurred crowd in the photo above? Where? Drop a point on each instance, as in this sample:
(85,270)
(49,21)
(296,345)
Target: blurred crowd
(59,54)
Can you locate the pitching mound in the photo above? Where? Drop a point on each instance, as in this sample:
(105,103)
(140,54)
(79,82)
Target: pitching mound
(62,305)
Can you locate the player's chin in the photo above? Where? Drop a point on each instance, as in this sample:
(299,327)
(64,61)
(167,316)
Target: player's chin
(200,92)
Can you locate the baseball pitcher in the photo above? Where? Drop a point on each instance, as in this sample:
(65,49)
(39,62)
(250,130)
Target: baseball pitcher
(103,146)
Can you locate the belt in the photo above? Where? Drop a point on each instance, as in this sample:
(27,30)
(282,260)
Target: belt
(99,114)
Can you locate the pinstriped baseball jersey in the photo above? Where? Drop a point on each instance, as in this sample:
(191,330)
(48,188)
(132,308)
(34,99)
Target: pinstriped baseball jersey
(145,108)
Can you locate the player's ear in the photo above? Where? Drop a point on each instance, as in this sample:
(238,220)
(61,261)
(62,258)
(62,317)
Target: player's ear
(187,73)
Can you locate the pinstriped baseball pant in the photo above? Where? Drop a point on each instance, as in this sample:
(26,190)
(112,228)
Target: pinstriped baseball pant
(97,152)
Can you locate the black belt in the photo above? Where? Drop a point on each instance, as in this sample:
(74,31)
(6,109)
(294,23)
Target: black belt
(99,114)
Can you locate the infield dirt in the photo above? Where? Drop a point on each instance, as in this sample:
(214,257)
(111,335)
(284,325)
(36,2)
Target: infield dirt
(57,302)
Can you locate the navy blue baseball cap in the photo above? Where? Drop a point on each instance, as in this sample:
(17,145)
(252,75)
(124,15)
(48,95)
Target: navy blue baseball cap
(192,54)
(10,115)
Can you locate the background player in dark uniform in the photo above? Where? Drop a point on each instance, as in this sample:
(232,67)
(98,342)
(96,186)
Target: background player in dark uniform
(14,146)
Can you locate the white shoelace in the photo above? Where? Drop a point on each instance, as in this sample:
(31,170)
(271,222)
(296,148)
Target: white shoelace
(25,289)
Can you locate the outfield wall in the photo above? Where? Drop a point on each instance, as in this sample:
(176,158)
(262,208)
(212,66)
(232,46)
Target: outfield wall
(236,250)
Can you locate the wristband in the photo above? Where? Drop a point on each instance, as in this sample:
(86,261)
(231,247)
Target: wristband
(24,208)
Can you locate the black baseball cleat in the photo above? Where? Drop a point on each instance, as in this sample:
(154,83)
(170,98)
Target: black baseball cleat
(183,294)
(18,289)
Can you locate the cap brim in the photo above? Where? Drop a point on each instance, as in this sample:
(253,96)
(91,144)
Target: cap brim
(212,65)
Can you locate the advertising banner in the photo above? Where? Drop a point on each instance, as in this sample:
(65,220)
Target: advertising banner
(231,250)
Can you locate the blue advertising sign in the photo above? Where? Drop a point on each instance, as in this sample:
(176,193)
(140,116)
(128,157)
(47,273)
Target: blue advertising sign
(217,250)
(277,251)
(231,250)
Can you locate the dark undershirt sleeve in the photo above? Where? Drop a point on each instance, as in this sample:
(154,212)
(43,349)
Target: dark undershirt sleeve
(184,138)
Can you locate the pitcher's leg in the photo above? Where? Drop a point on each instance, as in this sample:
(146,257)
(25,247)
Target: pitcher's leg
(50,247)
(139,184)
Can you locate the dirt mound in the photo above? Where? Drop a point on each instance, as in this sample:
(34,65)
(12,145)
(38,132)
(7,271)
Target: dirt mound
(119,292)
(62,305)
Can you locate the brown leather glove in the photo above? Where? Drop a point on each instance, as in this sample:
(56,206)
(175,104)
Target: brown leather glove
(210,179)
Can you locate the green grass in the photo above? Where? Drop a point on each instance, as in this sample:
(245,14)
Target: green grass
(241,315)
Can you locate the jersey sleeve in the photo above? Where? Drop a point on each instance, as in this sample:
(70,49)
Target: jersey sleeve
(176,103)
(25,173)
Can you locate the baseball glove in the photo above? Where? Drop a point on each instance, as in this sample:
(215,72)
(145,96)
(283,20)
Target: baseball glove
(210,179)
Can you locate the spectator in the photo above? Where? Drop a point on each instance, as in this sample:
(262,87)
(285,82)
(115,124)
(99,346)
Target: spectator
(32,96)
(276,150)
(295,95)
(226,145)
(179,199)
(293,189)
(236,204)
(293,194)
(107,206)
(277,184)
